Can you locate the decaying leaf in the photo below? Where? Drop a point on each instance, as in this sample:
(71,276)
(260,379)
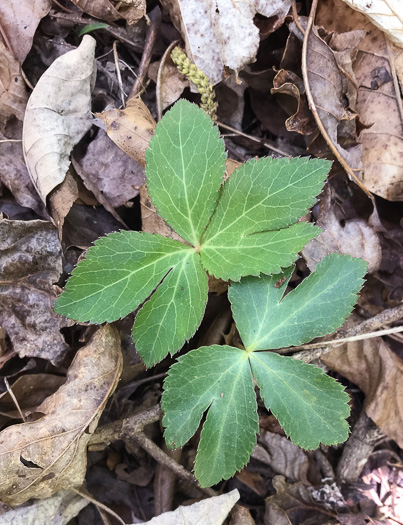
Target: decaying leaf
(378,372)
(104,10)
(30,262)
(58,115)
(19,19)
(221,33)
(354,237)
(107,169)
(211,511)
(282,456)
(378,71)
(59,509)
(13,95)
(385,14)
(42,457)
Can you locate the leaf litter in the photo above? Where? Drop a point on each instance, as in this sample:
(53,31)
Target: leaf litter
(364,121)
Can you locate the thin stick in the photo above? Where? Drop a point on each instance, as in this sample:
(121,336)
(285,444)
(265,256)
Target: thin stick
(295,17)
(10,140)
(163,458)
(100,505)
(152,31)
(312,105)
(361,337)
(266,144)
(116,59)
(9,390)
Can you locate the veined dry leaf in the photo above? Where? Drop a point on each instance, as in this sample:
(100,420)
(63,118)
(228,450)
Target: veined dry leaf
(40,458)
(19,19)
(209,511)
(378,372)
(103,9)
(287,497)
(221,33)
(131,128)
(30,262)
(58,115)
(13,95)
(385,14)
(59,509)
(356,238)
(378,69)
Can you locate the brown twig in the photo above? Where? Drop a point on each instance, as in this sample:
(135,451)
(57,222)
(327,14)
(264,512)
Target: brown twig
(312,105)
(159,455)
(388,316)
(9,390)
(295,17)
(155,22)
(117,67)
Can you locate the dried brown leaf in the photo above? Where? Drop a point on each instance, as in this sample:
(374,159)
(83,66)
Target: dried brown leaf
(58,115)
(19,19)
(42,457)
(131,128)
(378,372)
(107,169)
(378,69)
(30,264)
(103,9)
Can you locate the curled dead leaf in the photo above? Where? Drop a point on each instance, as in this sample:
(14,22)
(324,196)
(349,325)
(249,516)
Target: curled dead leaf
(104,10)
(42,457)
(13,95)
(58,115)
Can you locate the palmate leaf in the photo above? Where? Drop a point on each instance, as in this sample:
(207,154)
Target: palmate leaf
(311,406)
(247,227)
(250,230)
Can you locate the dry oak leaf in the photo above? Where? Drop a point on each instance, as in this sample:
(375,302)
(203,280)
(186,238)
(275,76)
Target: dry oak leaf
(378,372)
(378,71)
(30,262)
(132,10)
(385,14)
(13,95)
(221,33)
(58,115)
(42,457)
(19,20)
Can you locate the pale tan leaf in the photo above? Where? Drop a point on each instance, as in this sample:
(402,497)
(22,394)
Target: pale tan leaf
(210,511)
(354,237)
(58,115)
(30,262)
(56,510)
(19,19)
(378,372)
(42,457)
(385,14)
(221,33)
(13,95)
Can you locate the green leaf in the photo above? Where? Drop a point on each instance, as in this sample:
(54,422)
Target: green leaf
(119,272)
(185,165)
(318,306)
(92,27)
(174,312)
(217,379)
(263,195)
(310,406)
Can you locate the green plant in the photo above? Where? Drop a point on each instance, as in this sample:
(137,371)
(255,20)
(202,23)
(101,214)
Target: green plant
(244,230)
